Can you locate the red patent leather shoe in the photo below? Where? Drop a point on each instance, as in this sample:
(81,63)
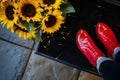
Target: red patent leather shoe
(107,37)
(88,47)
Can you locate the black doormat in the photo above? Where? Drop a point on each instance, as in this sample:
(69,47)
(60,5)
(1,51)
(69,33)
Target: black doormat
(61,46)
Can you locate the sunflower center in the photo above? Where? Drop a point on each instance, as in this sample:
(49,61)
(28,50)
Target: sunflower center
(28,10)
(51,21)
(9,12)
(49,2)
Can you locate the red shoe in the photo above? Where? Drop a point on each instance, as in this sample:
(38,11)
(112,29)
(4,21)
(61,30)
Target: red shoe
(88,47)
(107,37)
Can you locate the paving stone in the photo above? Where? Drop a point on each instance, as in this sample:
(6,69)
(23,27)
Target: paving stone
(63,72)
(12,61)
(8,35)
(40,68)
(88,76)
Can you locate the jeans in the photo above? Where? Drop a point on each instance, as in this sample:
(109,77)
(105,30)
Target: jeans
(110,69)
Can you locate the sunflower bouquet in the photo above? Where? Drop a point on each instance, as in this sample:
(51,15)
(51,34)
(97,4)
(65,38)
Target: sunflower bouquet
(28,18)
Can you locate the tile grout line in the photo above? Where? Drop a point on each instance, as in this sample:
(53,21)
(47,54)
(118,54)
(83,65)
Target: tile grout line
(15,43)
(27,61)
(78,74)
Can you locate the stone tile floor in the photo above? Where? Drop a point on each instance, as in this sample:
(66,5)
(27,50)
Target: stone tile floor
(18,62)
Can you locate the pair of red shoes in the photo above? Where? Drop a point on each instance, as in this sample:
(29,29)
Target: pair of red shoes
(88,47)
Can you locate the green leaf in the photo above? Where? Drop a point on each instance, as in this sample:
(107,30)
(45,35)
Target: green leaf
(24,23)
(67,8)
(29,26)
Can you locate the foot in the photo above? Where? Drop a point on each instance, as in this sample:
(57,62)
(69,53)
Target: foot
(107,37)
(88,47)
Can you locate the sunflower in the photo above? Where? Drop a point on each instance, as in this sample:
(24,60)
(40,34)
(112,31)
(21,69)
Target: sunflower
(51,3)
(52,22)
(30,10)
(22,31)
(8,14)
